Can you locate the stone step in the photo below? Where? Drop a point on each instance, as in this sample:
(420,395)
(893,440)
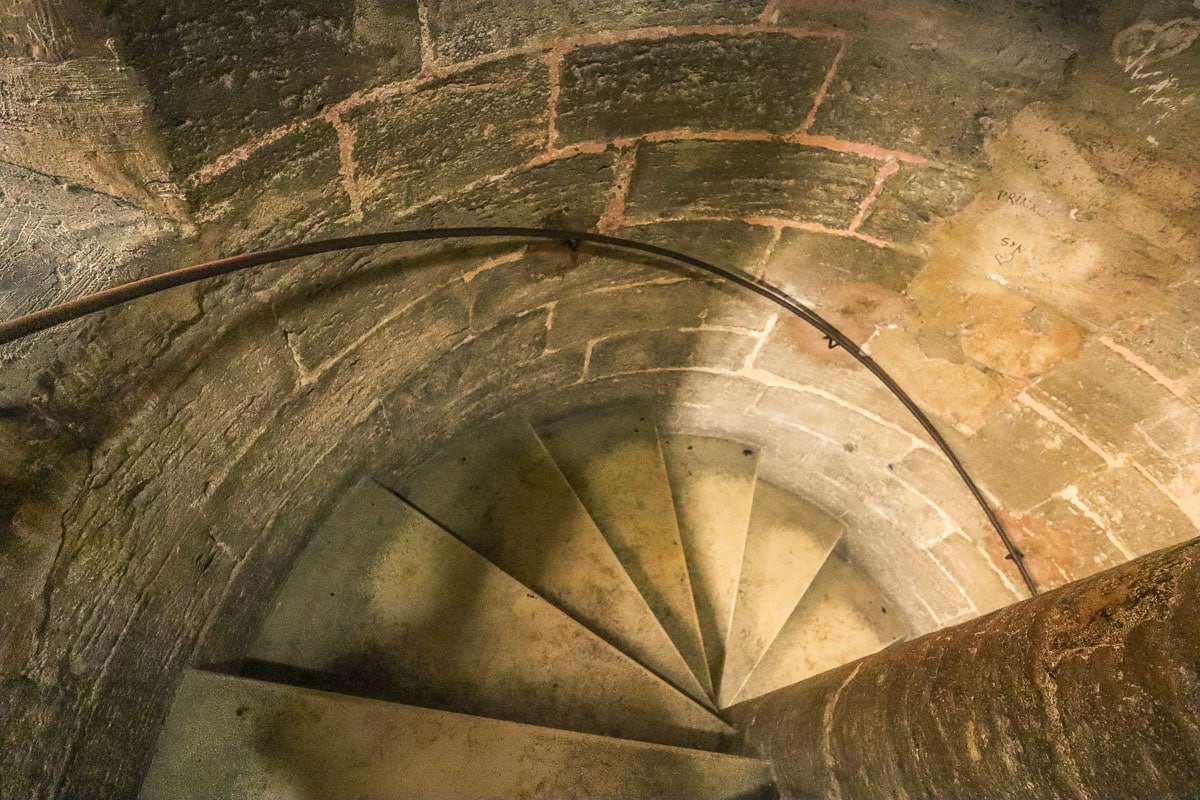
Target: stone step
(499,490)
(788,541)
(840,619)
(237,738)
(712,483)
(613,461)
(385,603)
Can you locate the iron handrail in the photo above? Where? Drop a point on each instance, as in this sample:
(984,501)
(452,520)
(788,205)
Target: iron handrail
(52,316)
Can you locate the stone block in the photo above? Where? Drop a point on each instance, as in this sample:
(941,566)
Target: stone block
(806,264)
(904,99)
(862,434)
(794,340)
(968,564)
(568,193)
(542,273)
(673,349)
(484,359)
(958,393)
(928,77)
(326,323)
(61,241)
(85,120)
(682,303)
(1021,457)
(450,133)
(1175,434)
(914,199)
(284,192)
(1169,340)
(1134,511)
(1109,400)
(464,29)
(1061,542)
(732,180)
(515,385)
(689,400)
(222,74)
(736,245)
(761,82)
(796,353)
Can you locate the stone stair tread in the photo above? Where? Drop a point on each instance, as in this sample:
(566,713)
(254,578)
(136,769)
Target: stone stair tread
(613,461)
(840,619)
(712,483)
(788,541)
(385,603)
(500,491)
(234,737)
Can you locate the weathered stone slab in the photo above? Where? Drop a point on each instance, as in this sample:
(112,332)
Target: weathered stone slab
(914,199)
(450,133)
(1120,398)
(805,264)
(725,244)
(404,323)
(1060,542)
(286,191)
(222,74)
(655,350)
(730,180)
(1135,511)
(681,303)
(930,78)
(567,193)
(463,29)
(763,82)
(1021,457)
(87,120)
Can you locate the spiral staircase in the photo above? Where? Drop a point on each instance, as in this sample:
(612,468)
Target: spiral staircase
(554,612)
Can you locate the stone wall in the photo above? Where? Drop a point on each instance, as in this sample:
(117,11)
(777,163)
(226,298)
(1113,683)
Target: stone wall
(998,199)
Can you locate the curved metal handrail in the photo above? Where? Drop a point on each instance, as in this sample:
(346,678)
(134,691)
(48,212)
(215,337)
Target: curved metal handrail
(74,309)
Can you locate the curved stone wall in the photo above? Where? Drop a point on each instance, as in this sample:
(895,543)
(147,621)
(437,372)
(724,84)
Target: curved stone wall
(998,199)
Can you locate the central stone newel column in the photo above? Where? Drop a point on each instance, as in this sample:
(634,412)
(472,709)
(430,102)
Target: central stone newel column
(1089,691)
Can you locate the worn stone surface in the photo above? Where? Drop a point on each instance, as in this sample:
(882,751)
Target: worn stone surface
(664,350)
(1033,279)
(972,74)
(748,179)
(463,29)
(286,190)
(735,244)
(805,264)
(87,121)
(654,304)
(222,75)
(1098,700)
(914,199)
(406,153)
(566,193)
(763,82)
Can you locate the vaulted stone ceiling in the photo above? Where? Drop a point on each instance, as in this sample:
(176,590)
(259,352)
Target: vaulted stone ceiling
(999,199)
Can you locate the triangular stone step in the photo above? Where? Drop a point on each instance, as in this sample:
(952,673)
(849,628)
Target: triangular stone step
(501,492)
(385,603)
(788,541)
(613,461)
(840,619)
(712,482)
(238,739)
